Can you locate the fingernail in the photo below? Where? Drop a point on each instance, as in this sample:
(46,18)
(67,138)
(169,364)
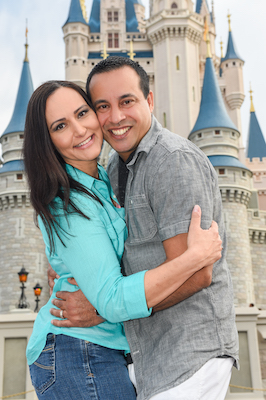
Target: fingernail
(196,209)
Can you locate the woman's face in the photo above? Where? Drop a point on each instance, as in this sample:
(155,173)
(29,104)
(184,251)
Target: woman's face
(74,129)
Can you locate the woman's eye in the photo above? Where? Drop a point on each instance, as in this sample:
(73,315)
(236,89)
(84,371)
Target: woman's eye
(59,127)
(82,113)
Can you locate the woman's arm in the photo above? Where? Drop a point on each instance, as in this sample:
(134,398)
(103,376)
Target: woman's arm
(204,248)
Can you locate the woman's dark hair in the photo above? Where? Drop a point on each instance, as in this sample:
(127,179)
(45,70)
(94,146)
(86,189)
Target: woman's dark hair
(44,166)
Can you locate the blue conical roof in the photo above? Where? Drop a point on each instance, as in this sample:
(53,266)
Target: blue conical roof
(231,52)
(256,146)
(17,122)
(198,8)
(131,19)
(212,112)
(95,22)
(75,13)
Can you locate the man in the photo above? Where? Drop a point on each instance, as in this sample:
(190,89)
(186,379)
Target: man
(185,351)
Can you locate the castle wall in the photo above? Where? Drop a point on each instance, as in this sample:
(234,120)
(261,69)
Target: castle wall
(21,244)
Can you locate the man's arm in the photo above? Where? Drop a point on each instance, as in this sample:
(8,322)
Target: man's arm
(174,247)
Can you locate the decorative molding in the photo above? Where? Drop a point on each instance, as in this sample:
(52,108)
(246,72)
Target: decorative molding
(235,195)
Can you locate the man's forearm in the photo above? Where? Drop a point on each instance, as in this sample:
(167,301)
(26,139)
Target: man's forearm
(194,284)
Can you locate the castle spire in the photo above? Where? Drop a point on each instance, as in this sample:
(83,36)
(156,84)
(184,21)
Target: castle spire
(212,112)
(25,91)
(231,52)
(94,21)
(252,109)
(256,146)
(26,44)
(76,11)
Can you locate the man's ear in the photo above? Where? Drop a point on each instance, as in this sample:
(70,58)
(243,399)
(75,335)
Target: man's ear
(150,101)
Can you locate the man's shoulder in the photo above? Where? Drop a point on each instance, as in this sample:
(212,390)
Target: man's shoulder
(168,143)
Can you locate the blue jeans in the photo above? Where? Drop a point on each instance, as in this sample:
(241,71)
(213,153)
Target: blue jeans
(74,369)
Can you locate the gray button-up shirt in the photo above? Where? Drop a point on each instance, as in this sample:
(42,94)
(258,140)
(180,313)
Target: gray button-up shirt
(168,175)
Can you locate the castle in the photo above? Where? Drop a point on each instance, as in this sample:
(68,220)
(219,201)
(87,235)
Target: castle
(198,95)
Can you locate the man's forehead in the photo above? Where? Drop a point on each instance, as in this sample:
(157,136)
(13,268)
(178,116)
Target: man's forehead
(122,75)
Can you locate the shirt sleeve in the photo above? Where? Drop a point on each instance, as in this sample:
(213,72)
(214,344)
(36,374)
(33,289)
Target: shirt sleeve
(181,180)
(89,256)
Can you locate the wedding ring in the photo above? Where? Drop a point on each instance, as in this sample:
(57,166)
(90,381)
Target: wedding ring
(61,314)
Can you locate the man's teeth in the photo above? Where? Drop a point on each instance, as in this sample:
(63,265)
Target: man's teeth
(85,142)
(120,132)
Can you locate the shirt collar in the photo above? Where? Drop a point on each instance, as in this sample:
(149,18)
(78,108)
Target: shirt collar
(149,140)
(84,178)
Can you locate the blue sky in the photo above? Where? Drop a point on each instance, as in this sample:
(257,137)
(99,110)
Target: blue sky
(46,47)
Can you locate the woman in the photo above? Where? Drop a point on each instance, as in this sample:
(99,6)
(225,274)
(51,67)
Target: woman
(84,231)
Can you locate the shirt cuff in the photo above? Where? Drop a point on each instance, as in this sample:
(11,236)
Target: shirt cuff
(134,295)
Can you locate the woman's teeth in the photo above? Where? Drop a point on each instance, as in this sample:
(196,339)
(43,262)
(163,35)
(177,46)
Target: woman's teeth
(85,142)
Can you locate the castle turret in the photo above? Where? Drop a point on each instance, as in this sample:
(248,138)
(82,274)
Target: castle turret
(256,155)
(76,37)
(216,134)
(21,242)
(232,73)
(175,32)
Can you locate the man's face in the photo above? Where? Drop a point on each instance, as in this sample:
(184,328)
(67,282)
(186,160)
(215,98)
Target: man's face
(123,112)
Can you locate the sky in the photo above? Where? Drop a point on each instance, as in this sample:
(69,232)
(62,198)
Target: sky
(45,19)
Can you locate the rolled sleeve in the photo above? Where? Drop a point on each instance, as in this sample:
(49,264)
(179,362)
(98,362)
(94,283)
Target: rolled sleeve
(89,256)
(182,180)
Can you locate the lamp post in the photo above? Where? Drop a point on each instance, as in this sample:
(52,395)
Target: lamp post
(37,291)
(23,275)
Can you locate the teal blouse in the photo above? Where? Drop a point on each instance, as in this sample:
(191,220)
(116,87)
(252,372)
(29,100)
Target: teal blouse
(92,255)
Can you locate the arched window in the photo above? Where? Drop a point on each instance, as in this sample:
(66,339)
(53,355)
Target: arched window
(174,5)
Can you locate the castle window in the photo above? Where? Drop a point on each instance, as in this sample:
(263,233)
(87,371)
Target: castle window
(234,63)
(112,16)
(19,177)
(199,135)
(174,5)
(244,174)
(21,136)
(226,65)
(148,62)
(221,171)
(74,61)
(113,40)
(92,63)
(217,132)
(6,139)
(177,63)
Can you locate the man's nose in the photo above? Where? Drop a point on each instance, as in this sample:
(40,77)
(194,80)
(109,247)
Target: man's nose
(116,115)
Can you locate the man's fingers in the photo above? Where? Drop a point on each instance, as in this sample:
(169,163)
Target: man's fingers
(65,323)
(58,303)
(72,281)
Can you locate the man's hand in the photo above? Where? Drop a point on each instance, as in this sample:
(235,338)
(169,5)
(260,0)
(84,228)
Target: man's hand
(77,311)
(52,275)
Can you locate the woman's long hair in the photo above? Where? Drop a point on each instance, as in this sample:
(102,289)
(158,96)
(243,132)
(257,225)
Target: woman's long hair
(44,166)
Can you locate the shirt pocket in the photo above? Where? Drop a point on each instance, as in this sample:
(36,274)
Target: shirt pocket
(140,220)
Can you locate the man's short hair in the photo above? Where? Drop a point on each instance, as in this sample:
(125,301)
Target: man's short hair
(115,62)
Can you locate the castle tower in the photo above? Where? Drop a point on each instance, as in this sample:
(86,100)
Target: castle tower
(202,8)
(113,29)
(21,241)
(256,156)
(215,133)
(232,74)
(76,37)
(175,32)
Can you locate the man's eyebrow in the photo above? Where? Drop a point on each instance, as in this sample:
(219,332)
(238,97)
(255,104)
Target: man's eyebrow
(124,96)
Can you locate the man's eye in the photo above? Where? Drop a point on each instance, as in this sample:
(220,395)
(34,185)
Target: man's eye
(102,107)
(127,102)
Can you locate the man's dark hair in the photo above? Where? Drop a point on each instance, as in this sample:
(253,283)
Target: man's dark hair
(115,62)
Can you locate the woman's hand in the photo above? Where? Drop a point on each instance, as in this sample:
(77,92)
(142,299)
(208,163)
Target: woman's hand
(206,244)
